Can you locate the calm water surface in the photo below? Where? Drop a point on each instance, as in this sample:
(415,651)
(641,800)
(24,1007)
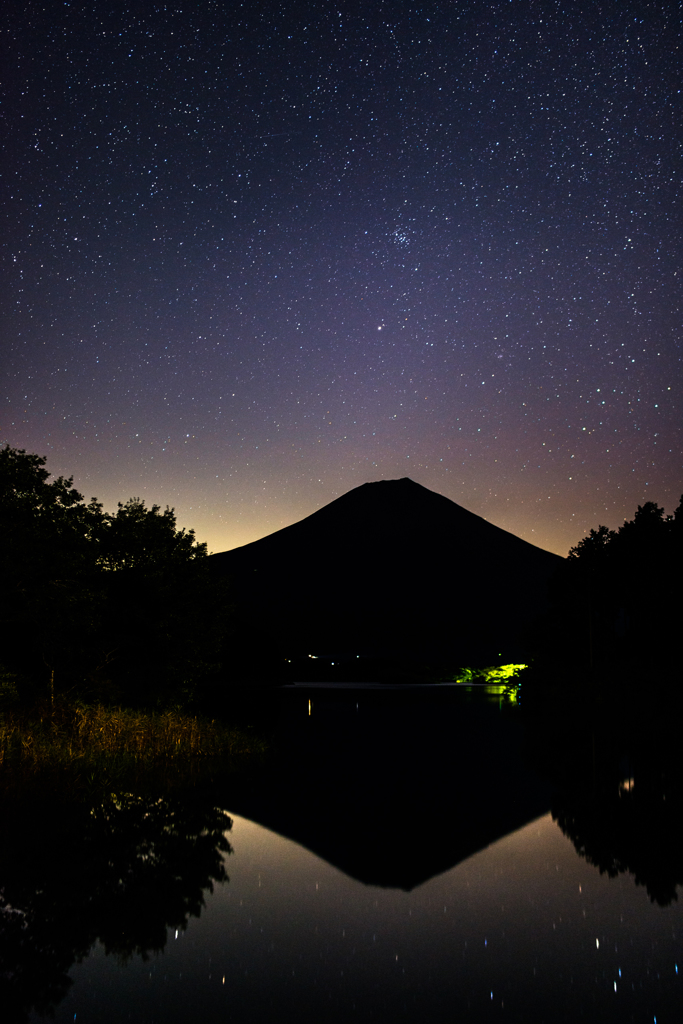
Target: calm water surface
(403,863)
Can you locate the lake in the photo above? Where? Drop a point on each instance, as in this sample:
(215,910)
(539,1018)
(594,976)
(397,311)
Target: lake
(405,855)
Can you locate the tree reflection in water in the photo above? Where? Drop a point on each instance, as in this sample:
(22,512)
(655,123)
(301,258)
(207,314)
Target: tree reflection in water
(618,792)
(636,831)
(121,872)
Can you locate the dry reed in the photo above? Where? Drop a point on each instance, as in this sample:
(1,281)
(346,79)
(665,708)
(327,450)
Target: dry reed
(94,736)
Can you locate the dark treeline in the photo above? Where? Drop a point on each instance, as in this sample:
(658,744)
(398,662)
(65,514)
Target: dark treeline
(616,608)
(603,699)
(118,607)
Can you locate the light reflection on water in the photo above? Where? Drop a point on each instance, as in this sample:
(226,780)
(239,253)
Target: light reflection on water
(524,930)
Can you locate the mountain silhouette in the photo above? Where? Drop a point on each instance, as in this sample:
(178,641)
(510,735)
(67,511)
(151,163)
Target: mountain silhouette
(391,569)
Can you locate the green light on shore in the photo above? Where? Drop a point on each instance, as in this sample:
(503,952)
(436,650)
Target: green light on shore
(500,674)
(503,673)
(499,680)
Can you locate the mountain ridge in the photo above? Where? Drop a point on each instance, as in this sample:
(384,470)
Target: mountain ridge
(360,490)
(391,567)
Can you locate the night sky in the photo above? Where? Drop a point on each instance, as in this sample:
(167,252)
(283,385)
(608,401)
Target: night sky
(257,254)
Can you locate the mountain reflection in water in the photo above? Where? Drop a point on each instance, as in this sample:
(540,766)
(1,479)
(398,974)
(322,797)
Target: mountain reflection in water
(393,787)
(401,918)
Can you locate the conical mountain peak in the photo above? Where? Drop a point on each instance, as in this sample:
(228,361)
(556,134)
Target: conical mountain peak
(391,566)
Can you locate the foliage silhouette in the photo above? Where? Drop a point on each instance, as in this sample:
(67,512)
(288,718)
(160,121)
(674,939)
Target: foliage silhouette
(117,605)
(617,604)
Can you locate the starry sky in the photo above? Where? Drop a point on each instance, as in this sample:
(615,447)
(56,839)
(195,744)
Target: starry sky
(258,254)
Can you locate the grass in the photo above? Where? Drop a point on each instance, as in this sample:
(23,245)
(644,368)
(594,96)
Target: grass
(99,742)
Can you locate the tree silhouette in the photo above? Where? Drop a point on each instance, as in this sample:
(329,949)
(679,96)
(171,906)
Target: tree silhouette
(617,598)
(113,604)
